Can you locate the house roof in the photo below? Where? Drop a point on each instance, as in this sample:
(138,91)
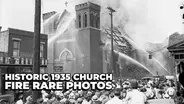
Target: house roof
(176,42)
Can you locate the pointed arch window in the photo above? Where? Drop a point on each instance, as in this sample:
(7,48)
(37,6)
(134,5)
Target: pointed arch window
(66,55)
(79,20)
(85,20)
(91,19)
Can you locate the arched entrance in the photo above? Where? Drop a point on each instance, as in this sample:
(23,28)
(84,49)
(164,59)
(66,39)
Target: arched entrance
(65,59)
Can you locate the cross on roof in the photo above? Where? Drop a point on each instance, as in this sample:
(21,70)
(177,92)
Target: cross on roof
(66,3)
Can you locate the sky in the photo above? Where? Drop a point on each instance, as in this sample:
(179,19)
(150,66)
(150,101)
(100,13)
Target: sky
(148,20)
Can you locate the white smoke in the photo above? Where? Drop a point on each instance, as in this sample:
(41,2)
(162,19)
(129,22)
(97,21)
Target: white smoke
(144,20)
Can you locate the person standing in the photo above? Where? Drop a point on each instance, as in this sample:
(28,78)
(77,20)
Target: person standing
(20,101)
(170,91)
(134,96)
(115,99)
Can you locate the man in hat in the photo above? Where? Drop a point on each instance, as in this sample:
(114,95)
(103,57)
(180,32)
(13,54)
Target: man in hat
(106,99)
(44,94)
(87,99)
(79,101)
(20,101)
(95,100)
(72,98)
(115,99)
(52,99)
(134,96)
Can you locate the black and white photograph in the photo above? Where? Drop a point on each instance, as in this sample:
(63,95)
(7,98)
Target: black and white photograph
(91,51)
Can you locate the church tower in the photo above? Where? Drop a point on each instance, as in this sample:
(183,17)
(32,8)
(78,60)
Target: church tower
(89,37)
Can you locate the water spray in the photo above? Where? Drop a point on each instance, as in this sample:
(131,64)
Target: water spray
(138,47)
(132,60)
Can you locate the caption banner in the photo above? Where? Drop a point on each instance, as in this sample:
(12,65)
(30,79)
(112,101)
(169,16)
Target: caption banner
(58,81)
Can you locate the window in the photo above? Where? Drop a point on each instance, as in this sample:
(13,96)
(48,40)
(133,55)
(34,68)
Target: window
(79,17)
(181,56)
(85,20)
(66,56)
(108,67)
(91,19)
(41,49)
(97,22)
(42,70)
(16,48)
(55,24)
(106,55)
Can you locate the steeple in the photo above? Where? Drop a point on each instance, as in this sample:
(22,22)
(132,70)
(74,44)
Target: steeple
(89,37)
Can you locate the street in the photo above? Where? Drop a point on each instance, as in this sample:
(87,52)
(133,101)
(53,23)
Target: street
(161,101)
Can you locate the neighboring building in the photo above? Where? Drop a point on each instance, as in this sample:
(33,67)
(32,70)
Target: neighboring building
(16,52)
(75,44)
(176,48)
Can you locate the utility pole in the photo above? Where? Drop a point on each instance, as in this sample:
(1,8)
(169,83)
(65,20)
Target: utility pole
(112,48)
(36,43)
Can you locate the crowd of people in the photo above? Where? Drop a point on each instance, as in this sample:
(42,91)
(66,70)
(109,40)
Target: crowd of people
(126,92)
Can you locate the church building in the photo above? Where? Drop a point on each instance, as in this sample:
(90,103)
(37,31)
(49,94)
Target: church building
(74,44)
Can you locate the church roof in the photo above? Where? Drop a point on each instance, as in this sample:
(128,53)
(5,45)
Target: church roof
(48,15)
